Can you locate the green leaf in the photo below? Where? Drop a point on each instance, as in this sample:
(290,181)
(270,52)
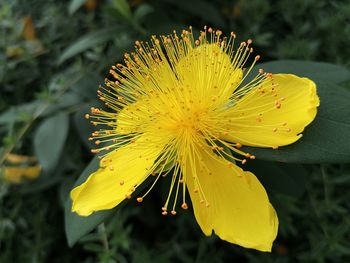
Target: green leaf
(77,226)
(27,111)
(326,139)
(74,5)
(142,11)
(20,112)
(123,8)
(88,41)
(88,85)
(49,140)
(83,126)
(289,179)
(203,9)
(317,71)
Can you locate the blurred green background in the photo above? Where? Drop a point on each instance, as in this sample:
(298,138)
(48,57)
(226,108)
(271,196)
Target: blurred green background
(53,56)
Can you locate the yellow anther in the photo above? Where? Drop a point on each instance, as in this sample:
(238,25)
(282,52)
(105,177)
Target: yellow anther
(87,116)
(244,161)
(184,206)
(139,199)
(238,145)
(173,212)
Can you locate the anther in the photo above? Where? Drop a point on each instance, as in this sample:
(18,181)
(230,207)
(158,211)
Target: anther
(164,213)
(139,199)
(184,206)
(173,212)
(87,116)
(257,58)
(238,145)
(244,161)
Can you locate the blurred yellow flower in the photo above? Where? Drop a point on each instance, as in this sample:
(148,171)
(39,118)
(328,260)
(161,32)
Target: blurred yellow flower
(16,158)
(187,103)
(16,175)
(22,168)
(29,32)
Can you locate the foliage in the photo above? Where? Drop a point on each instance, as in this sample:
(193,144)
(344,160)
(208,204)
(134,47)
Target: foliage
(53,56)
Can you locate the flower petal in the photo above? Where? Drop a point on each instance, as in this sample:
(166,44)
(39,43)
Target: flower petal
(231,202)
(121,171)
(208,71)
(274,115)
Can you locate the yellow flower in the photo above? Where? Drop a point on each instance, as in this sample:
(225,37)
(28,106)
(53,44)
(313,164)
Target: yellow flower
(17,175)
(186,104)
(22,168)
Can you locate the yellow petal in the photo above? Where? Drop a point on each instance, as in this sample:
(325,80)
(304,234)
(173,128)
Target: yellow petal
(132,118)
(274,115)
(207,70)
(32,172)
(231,202)
(121,171)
